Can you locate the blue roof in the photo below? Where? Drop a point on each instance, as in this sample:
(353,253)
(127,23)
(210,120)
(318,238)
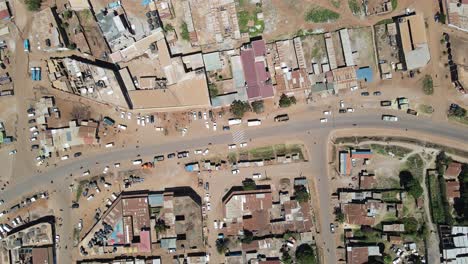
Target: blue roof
(156,200)
(365,74)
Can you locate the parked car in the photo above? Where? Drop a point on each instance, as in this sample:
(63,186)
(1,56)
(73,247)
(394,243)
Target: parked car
(365,94)
(170,155)
(35,146)
(332,228)
(226,128)
(377,93)
(341,111)
(323,120)
(77,154)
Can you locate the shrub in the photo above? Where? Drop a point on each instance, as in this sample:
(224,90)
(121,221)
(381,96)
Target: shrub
(213,90)
(411,225)
(286,101)
(428,85)
(305,255)
(184,33)
(301,194)
(411,184)
(33,5)
(321,15)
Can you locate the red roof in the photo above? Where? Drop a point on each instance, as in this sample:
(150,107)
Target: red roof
(259,48)
(357,255)
(255,72)
(145,242)
(4,14)
(356,214)
(453,170)
(453,190)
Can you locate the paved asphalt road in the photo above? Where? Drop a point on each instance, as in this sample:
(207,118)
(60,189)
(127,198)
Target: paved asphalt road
(293,127)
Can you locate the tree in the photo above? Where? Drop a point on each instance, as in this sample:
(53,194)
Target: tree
(213,90)
(411,224)
(388,259)
(301,194)
(286,258)
(71,46)
(458,112)
(160,226)
(286,101)
(184,33)
(428,85)
(249,185)
(222,245)
(168,27)
(67,14)
(33,5)
(239,108)
(258,106)
(305,254)
(248,237)
(442,161)
(340,216)
(411,184)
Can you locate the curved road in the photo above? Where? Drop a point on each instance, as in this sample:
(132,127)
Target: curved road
(293,127)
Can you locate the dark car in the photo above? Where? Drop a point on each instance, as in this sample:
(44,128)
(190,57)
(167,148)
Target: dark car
(35,147)
(77,154)
(377,93)
(170,155)
(2,65)
(210,113)
(341,111)
(226,128)
(365,94)
(332,228)
(207,186)
(182,154)
(32,121)
(75,205)
(160,157)
(199,115)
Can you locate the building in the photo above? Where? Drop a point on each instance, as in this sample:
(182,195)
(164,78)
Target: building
(257,77)
(454,244)
(4,11)
(361,254)
(129,223)
(458,14)
(452,190)
(347,158)
(453,170)
(413,41)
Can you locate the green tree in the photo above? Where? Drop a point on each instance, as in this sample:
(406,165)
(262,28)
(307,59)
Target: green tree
(411,224)
(286,258)
(168,27)
(258,106)
(305,254)
(239,108)
(411,184)
(340,216)
(33,5)
(249,185)
(301,194)
(213,90)
(67,14)
(286,101)
(184,33)
(388,259)
(222,245)
(160,226)
(248,237)
(458,112)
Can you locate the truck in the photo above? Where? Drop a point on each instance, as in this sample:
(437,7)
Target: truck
(254,122)
(234,121)
(26,45)
(282,118)
(108,121)
(389,118)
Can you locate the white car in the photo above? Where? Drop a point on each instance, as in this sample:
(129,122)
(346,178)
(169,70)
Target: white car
(184,131)
(129,115)
(235,171)
(204,116)
(323,120)
(147,118)
(122,115)
(208,206)
(106,169)
(326,112)
(35,133)
(123,127)
(197,152)
(34,128)
(341,104)
(137,162)
(12,152)
(117,165)
(33,139)
(86,173)
(215,224)
(138,120)
(57,239)
(64,157)
(243,144)
(354,88)
(207,125)
(350,110)
(143,123)
(232,146)
(214,126)
(205,152)
(257,175)
(90,197)
(110,145)
(194,115)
